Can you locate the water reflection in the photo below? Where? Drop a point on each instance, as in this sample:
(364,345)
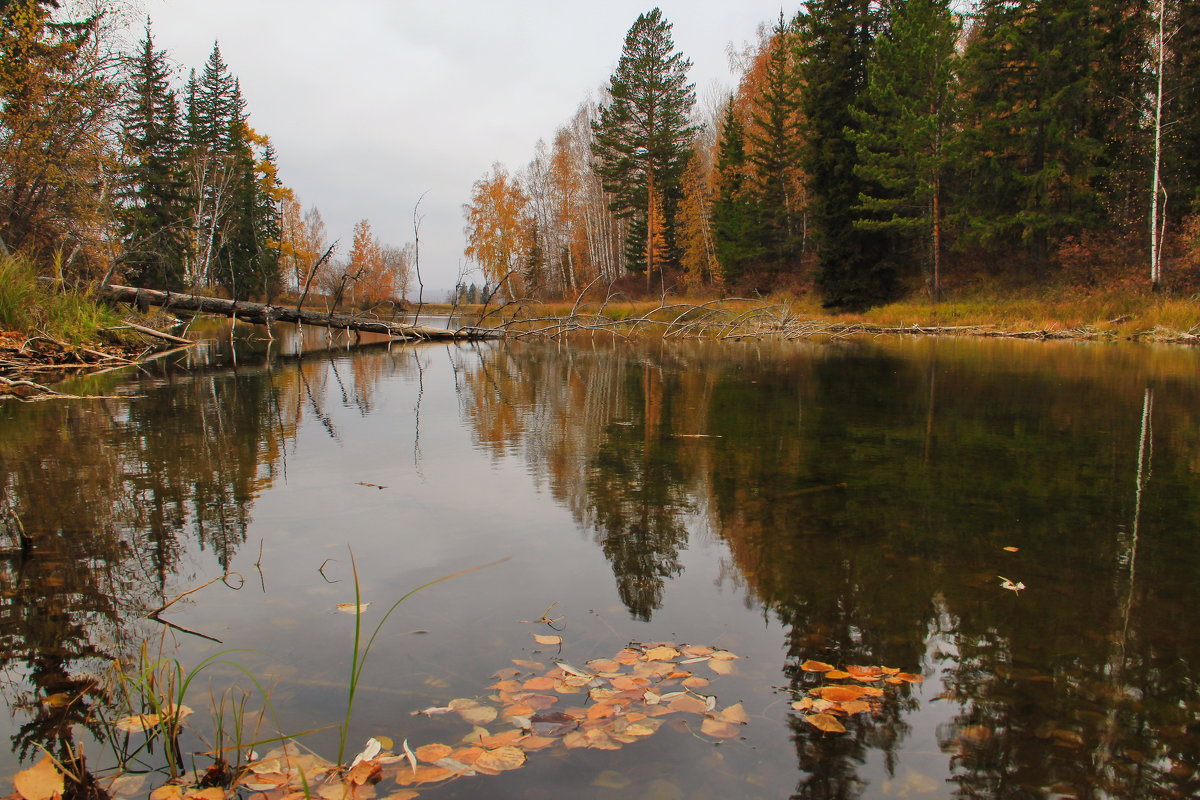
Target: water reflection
(100,500)
(866,495)
(858,496)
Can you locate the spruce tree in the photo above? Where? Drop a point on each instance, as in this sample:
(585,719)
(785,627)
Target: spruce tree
(1181,109)
(775,139)
(733,211)
(644,132)
(902,142)
(1028,151)
(152,189)
(855,266)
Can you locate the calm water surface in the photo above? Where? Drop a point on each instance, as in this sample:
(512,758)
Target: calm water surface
(849,503)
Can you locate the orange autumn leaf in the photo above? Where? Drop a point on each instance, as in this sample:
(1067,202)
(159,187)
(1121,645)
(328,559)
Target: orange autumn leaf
(836,674)
(547,640)
(909,677)
(688,705)
(695,683)
(42,781)
(825,722)
(719,729)
(816,666)
(431,753)
(855,706)
(540,684)
(736,714)
(501,759)
(841,694)
(661,653)
(872,691)
(426,773)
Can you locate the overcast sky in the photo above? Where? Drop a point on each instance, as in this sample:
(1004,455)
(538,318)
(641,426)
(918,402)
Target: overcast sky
(372,103)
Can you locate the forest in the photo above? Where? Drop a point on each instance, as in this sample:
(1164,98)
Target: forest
(873,151)
(112,167)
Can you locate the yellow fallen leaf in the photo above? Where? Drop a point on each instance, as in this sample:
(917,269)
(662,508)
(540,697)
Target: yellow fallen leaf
(473,712)
(212,793)
(547,640)
(825,722)
(42,781)
(721,667)
(1013,549)
(362,772)
(855,706)
(736,714)
(432,753)
(351,608)
(719,729)
(723,655)
(661,653)
(171,791)
(137,723)
(501,759)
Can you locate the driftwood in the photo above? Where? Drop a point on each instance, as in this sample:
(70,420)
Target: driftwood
(264,314)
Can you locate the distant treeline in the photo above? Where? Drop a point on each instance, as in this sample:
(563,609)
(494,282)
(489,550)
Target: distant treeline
(108,167)
(872,149)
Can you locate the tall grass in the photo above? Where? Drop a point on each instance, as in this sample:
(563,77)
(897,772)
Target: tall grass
(67,314)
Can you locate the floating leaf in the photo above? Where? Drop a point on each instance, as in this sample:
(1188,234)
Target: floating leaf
(1013,549)
(426,773)
(688,705)
(540,684)
(136,723)
(695,683)
(841,694)
(719,729)
(547,640)
(385,742)
(213,793)
(432,753)
(723,655)
(721,667)
(736,713)
(42,781)
(362,773)
(171,791)
(816,666)
(351,608)
(662,653)
(908,677)
(473,712)
(855,706)
(403,794)
(836,674)
(825,722)
(501,759)
(536,666)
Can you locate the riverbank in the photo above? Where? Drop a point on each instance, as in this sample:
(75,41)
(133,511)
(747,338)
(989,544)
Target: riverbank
(1040,314)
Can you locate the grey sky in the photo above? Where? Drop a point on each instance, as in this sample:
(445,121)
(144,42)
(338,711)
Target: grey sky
(371,103)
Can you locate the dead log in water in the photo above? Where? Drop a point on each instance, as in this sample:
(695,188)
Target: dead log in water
(263,314)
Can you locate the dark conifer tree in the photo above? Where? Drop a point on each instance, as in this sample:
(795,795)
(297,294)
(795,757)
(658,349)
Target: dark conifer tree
(644,132)
(855,266)
(1181,109)
(776,138)
(733,212)
(1027,144)
(152,187)
(902,152)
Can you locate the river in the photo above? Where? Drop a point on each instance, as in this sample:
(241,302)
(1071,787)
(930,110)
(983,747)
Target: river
(856,503)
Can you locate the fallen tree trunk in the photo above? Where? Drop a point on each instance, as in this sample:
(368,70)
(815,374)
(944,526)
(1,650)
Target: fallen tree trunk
(264,314)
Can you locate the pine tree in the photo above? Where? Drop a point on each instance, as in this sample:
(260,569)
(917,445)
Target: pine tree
(644,132)
(902,143)
(152,187)
(1029,156)
(1181,108)
(855,266)
(733,209)
(775,139)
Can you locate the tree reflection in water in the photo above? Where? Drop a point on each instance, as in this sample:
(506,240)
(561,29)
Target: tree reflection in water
(865,494)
